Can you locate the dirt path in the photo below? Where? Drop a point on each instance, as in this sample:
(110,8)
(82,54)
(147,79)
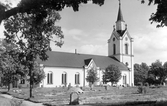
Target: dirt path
(24,103)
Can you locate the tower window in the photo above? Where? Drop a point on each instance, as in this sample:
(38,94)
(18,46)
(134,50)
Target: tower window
(126,48)
(113,39)
(50,78)
(114,49)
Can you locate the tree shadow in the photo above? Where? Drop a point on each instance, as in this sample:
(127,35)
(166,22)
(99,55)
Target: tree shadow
(135,103)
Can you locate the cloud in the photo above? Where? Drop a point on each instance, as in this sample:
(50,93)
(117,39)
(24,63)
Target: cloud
(12,2)
(94,49)
(86,43)
(75,34)
(151,46)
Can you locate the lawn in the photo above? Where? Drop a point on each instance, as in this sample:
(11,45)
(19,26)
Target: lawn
(114,95)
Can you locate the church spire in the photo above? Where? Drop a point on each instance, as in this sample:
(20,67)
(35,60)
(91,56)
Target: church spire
(120,23)
(120,16)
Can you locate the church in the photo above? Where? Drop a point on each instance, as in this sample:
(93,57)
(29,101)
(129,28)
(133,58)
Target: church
(62,68)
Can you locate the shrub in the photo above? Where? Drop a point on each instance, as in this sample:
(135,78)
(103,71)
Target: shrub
(140,84)
(19,86)
(142,89)
(16,102)
(146,84)
(127,85)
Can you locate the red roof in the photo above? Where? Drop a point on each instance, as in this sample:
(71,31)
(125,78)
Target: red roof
(73,60)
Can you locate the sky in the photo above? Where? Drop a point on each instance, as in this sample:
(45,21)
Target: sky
(89,29)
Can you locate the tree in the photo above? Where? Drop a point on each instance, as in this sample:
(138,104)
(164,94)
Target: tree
(38,74)
(160,15)
(11,70)
(138,76)
(33,37)
(111,74)
(40,7)
(158,72)
(92,76)
(140,73)
(165,65)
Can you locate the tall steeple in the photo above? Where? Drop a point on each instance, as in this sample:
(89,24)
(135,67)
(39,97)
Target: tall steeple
(120,16)
(120,46)
(120,23)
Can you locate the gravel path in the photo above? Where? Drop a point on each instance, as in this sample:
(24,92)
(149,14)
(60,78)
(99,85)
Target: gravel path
(25,102)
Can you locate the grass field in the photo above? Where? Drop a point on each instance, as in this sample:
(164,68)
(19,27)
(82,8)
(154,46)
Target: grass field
(97,96)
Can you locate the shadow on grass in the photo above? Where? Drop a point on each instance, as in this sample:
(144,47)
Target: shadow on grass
(135,103)
(27,99)
(5,92)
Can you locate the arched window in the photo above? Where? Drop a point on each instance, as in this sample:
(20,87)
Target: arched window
(126,48)
(77,77)
(114,49)
(124,79)
(50,77)
(64,78)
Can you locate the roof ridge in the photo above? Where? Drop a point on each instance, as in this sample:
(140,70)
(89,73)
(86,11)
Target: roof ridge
(77,53)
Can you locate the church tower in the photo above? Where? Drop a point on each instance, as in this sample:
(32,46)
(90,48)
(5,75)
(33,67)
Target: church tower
(120,45)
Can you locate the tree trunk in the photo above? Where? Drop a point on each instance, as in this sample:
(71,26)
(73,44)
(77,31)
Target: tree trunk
(30,72)
(8,86)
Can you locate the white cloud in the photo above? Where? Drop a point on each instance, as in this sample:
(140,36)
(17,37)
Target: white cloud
(151,46)
(12,2)
(75,34)
(94,49)
(86,43)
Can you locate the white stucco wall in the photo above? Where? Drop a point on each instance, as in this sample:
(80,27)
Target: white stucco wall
(57,76)
(127,73)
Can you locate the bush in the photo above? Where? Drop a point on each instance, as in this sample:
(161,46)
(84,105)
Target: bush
(19,86)
(140,84)
(15,102)
(146,84)
(142,89)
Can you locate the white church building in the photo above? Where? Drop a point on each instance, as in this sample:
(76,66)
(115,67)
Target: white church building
(64,68)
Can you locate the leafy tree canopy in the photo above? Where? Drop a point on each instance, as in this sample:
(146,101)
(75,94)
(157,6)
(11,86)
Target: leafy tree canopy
(92,76)
(40,7)
(33,37)
(140,73)
(111,74)
(160,16)
(158,71)
(11,70)
(165,65)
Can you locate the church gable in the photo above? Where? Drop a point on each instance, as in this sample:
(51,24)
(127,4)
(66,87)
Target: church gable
(90,64)
(114,35)
(127,36)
